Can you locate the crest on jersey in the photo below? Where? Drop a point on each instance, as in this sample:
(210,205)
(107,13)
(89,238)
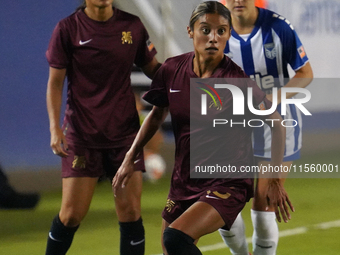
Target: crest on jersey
(79,162)
(270,50)
(302,52)
(169,205)
(150,45)
(126,37)
(262,106)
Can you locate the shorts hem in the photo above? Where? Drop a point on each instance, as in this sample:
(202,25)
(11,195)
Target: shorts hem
(294,156)
(167,219)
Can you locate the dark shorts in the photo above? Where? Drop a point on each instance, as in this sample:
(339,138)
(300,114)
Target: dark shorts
(89,162)
(228,201)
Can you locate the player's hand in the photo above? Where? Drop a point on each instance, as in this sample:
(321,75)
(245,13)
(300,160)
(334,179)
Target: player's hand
(58,143)
(278,198)
(123,174)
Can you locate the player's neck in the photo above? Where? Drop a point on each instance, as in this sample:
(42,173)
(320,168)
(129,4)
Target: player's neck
(205,68)
(244,24)
(99,14)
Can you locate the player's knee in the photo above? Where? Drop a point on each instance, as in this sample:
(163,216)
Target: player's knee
(128,210)
(264,224)
(175,241)
(266,232)
(260,202)
(169,238)
(70,219)
(128,213)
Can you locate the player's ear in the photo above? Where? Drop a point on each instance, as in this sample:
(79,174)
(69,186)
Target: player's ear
(229,34)
(190,33)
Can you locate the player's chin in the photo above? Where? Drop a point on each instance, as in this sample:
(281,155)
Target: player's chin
(214,54)
(105,3)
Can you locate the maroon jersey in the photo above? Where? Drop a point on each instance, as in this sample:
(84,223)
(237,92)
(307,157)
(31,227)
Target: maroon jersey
(99,57)
(171,88)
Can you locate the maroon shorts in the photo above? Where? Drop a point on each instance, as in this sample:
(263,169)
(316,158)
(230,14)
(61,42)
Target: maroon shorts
(227,201)
(89,162)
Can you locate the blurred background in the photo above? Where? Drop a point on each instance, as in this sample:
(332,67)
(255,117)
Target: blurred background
(25,30)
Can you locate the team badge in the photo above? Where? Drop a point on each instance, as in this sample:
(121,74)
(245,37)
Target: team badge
(79,162)
(262,106)
(126,37)
(302,52)
(169,205)
(270,50)
(150,45)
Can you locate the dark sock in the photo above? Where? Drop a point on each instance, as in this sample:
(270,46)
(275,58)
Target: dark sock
(132,238)
(178,243)
(59,238)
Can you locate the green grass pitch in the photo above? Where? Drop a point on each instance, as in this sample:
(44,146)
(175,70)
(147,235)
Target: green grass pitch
(317,201)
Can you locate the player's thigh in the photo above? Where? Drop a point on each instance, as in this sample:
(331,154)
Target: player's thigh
(77,193)
(200,219)
(260,202)
(80,171)
(128,199)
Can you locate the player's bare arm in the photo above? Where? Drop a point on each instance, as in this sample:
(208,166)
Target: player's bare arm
(149,127)
(302,78)
(55,86)
(276,194)
(278,137)
(151,68)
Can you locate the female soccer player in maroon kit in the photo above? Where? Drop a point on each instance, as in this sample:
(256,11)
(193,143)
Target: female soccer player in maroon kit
(196,207)
(95,48)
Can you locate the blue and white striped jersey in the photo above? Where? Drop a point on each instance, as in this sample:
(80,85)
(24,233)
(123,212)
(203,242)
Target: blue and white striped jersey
(264,55)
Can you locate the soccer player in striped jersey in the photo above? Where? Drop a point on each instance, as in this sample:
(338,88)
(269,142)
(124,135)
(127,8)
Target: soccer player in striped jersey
(263,44)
